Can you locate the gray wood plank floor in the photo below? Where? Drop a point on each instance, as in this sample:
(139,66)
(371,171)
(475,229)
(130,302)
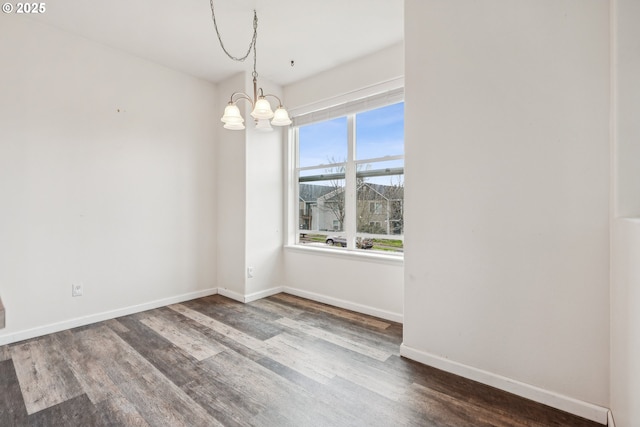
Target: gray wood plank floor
(280,361)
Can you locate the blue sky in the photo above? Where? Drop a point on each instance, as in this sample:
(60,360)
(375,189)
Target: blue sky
(379,133)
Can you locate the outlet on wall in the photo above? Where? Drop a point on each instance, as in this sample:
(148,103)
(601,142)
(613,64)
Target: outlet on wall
(76,290)
(249,272)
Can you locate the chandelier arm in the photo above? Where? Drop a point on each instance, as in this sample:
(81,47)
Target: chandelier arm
(279,100)
(251,45)
(242,95)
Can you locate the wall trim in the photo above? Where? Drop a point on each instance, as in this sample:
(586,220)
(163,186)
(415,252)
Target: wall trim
(99,317)
(610,421)
(263,294)
(249,297)
(359,308)
(356,255)
(376,88)
(577,407)
(225,292)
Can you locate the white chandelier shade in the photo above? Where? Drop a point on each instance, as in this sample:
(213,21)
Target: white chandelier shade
(262,112)
(281,117)
(262,109)
(232,114)
(234,126)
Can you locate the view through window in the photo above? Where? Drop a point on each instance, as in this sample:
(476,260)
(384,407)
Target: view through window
(350,173)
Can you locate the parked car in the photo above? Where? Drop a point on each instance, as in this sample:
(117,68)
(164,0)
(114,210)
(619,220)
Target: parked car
(342,241)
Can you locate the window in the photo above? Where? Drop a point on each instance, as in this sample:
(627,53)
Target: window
(375,208)
(350,180)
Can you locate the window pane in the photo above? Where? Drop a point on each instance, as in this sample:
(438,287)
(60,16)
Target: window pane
(380,204)
(378,172)
(323,143)
(387,245)
(321,204)
(380,132)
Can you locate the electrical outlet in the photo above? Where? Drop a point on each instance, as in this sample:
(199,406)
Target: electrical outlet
(249,272)
(76,290)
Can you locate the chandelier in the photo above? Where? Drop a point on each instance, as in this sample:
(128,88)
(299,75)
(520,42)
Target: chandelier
(261,112)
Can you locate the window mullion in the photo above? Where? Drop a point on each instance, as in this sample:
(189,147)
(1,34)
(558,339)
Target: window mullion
(350,185)
(294,186)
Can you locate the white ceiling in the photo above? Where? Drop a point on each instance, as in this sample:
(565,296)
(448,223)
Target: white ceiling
(316,34)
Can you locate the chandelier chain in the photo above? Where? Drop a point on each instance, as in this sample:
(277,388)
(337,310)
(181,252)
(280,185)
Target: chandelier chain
(252,45)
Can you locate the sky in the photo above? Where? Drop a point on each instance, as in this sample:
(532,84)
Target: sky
(379,133)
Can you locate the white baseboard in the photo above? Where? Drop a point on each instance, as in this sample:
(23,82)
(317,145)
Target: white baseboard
(360,308)
(99,317)
(231,294)
(555,400)
(249,297)
(263,294)
(610,421)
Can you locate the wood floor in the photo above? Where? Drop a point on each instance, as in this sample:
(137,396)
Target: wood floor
(280,361)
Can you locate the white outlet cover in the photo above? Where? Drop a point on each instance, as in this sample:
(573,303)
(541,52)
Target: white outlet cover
(76,290)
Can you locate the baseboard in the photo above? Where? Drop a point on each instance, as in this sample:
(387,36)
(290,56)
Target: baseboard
(231,294)
(249,297)
(99,317)
(610,421)
(359,308)
(555,400)
(263,294)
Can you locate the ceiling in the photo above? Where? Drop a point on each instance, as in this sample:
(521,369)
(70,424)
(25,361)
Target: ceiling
(316,34)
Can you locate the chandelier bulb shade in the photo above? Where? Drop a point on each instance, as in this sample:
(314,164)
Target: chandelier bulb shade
(234,126)
(281,117)
(262,109)
(232,114)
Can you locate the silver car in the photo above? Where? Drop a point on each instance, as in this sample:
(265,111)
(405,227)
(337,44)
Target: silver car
(342,241)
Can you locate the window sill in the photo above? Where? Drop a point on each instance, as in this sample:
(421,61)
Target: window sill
(359,255)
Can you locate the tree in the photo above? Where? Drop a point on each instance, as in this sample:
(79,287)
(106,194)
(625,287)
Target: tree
(379,207)
(334,200)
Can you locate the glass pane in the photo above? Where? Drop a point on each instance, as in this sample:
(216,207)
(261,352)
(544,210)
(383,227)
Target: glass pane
(313,239)
(378,172)
(380,132)
(323,143)
(386,245)
(380,204)
(321,204)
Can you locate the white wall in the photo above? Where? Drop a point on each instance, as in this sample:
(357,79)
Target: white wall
(507,145)
(625,283)
(231,169)
(383,66)
(122,202)
(265,203)
(250,194)
(627,107)
(369,285)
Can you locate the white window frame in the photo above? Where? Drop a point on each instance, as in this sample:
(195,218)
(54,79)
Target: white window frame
(351,165)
